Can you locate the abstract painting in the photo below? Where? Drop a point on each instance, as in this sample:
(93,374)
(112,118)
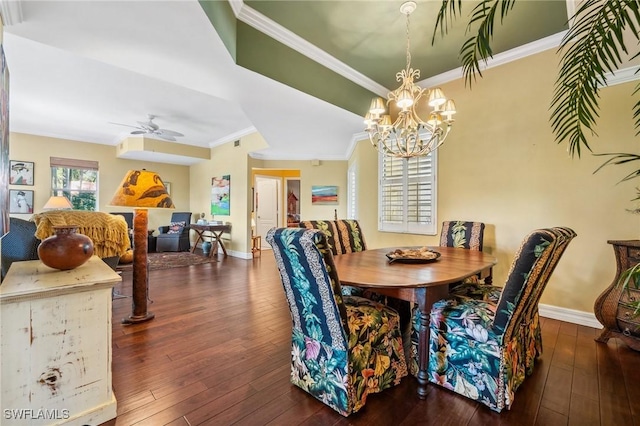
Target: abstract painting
(324,194)
(220,195)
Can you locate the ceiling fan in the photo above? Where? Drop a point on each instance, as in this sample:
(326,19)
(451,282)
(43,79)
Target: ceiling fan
(150,128)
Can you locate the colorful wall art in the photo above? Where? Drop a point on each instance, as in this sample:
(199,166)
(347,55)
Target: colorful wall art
(220,195)
(324,194)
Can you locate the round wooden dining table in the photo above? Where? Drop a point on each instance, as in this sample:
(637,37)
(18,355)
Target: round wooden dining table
(421,283)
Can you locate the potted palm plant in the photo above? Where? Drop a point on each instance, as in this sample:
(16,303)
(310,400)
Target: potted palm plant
(594,46)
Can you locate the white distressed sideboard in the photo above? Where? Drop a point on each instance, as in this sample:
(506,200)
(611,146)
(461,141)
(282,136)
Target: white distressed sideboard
(55,350)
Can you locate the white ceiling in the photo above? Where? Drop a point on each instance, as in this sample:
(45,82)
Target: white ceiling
(77,66)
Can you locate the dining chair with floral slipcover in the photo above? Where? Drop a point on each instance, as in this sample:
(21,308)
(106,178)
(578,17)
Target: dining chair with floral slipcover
(350,235)
(343,236)
(343,347)
(484,340)
(454,233)
(328,228)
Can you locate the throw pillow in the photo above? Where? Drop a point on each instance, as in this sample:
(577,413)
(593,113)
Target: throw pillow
(176,227)
(127,257)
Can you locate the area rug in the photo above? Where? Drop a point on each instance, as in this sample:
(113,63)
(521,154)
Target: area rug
(168,260)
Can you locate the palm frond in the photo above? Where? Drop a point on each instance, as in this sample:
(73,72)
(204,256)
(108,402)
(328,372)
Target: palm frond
(591,48)
(477,47)
(449,9)
(618,159)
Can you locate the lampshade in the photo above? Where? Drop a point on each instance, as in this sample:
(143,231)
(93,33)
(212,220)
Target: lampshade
(142,188)
(57,202)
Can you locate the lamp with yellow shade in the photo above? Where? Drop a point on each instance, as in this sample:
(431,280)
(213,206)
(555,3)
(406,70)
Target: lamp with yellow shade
(141,190)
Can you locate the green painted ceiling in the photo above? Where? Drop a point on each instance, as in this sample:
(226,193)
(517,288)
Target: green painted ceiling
(370,37)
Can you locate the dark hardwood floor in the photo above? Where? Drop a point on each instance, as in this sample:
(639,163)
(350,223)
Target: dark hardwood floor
(217,353)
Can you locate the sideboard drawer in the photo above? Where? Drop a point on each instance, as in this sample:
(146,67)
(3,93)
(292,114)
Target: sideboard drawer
(628,315)
(629,296)
(629,329)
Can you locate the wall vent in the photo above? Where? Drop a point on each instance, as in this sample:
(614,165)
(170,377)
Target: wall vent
(236,143)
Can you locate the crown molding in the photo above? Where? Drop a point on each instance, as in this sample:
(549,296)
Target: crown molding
(550,42)
(357,137)
(624,75)
(11,12)
(233,136)
(276,31)
(280,156)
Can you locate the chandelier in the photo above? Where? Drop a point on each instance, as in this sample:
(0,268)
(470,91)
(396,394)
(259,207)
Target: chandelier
(409,135)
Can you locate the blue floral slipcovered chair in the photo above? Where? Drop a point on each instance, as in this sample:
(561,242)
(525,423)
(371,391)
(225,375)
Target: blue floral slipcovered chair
(343,347)
(482,347)
(454,233)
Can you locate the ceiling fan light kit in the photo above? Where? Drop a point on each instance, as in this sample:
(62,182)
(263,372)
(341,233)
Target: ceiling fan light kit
(150,128)
(409,135)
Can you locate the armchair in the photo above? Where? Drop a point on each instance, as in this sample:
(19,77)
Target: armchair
(175,236)
(343,347)
(482,347)
(19,244)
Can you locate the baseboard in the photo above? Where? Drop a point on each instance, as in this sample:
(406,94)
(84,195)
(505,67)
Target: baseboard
(569,315)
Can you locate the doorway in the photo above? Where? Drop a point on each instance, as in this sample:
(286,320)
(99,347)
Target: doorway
(268,199)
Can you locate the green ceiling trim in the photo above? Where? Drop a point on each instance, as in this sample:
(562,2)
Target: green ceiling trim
(262,54)
(224,21)
(258,52)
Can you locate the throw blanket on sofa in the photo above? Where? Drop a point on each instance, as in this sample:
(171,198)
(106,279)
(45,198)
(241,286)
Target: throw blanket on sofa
(108,232)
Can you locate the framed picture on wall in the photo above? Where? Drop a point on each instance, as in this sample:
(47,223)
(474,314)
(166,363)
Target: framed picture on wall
(20,201)
(221,195)
(21,173)
(324,194)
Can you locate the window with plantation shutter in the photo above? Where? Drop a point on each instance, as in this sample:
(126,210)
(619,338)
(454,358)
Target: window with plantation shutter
(352,192)
(407,194)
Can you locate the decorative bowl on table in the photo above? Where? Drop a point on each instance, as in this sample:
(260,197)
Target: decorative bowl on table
(413,255)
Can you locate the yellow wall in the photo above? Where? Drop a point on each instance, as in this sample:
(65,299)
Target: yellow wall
(112,170)
(502,166)
(227,159)
(327,173)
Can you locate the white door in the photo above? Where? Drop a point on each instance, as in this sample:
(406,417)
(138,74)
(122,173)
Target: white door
(267,202)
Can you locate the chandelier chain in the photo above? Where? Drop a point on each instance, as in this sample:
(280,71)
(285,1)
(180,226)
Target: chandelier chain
(408,43)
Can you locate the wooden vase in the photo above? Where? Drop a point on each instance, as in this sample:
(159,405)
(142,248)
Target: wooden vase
(66,249)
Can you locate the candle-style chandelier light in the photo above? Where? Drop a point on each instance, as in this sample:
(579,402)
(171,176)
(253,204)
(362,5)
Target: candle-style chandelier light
(409,135)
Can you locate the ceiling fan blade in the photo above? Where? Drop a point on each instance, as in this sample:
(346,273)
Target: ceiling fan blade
(169,132)
(165,137)
(139,132)
(149,125)
(120,124)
